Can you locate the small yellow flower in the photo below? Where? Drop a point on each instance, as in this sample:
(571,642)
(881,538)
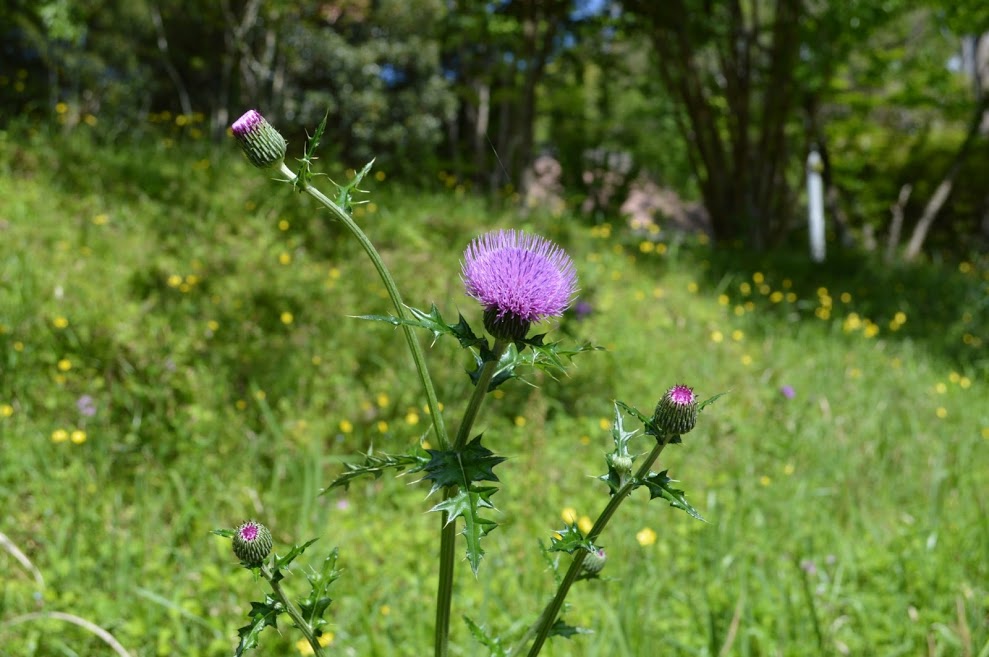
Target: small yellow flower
(260,395)
(283,225)
(213,325)
(646,537)
(64,365)
(519,421)
(788,469)
(758,278)
(940,388)
(765,480)
(941,412)
(382,426)
(723,299)
(60,322)
(746,360)
(964,383)
(382,400)
(845,297)
(385,610)
(604,423)
(585,524)
(717,336)
(61,108)
(316,360)
(412,418)
(6,410)
(379,175)
(78,437)
(285,258)
(737,335)
(60,435)
(287,318)
(302,645)
(240,404)
(692,287)
(346,426)
(776,297)
(174,280)
(569,514)
(745,288)
(585,440)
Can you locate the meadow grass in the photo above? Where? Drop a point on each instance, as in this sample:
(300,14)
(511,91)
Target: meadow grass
(204,314)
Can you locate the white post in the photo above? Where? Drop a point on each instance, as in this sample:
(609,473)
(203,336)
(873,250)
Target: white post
(815,206)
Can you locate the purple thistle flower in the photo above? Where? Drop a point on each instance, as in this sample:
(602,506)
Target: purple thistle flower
(519,279)
(252,543)
(788,392)
(86,406)
(263,145)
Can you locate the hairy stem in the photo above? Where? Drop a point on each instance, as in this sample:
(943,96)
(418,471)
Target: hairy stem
(436,417)
(541,628)
(292,611)
(448,534)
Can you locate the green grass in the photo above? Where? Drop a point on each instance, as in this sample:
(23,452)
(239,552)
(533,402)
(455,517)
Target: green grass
(155,278)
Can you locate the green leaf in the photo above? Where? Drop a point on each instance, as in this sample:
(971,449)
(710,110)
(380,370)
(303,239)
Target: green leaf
(452,468)
(569,540)
(493,644)
(659,486)
(561,628)
(285,561)
(262,615)
(434,323)
(226,533)
(315,604)
(376,465)
(616,478)
(305,174)
(710,400)
(344,197)
(467,504)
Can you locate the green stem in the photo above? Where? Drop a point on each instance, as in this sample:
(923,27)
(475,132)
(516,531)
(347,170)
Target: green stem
(292,611)
(448,534)
(442,439)
(544,624)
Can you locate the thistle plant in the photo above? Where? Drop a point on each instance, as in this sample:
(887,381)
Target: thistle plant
(519,279)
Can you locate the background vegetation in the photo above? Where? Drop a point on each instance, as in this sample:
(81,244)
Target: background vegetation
(177,352)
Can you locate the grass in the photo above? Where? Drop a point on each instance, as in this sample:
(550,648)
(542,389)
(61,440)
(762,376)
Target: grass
(205,312)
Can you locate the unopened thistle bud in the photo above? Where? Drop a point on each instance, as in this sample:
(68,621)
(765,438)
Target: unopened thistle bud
(676,412)
(252,543)
(622,464)
(263,145)
(593,563)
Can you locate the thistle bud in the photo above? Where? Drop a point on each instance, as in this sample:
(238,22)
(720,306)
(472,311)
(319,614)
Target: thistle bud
(676,412)
(263,145)
(252,543)
(593,563)
(622,464)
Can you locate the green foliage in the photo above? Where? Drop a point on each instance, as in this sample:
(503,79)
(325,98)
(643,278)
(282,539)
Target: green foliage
(871,473)
(659,486)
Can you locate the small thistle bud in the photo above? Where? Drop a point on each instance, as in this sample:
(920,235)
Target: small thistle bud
(252,543)
(622,464)
(676,412)
(593,563)
(263,145)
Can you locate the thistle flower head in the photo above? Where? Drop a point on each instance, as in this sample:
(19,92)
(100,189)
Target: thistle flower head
(264,146)
(519,279)
(593,563)
(676,412)
(252,543)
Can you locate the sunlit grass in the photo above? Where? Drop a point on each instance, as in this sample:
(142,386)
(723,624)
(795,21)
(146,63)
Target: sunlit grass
(178,353)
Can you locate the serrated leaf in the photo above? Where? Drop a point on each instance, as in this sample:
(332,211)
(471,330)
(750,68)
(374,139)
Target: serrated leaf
(262,615)
(433,322)
(569,540)
(561,628)
(284,561)
(467,504)
(344,196)
(315,604)
(452,468)
(659,486)
(375,466)
(493,644)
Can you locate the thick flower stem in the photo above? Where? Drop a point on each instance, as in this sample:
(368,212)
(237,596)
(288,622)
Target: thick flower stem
(442,439)
(541,628)
(292,611)
(448,534)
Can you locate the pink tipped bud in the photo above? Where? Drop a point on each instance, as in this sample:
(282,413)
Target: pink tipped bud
(676,412)
(262,144)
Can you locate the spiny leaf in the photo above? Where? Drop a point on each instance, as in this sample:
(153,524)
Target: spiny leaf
(551,358)
(262,615)
(434,323)
(284,561)
(467,504)
(452,468)
(569,540)
(493,644)
(659,486)
(561,628)
(315,604)
(305,174)
(375,466)
(344,197)
(226,533)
